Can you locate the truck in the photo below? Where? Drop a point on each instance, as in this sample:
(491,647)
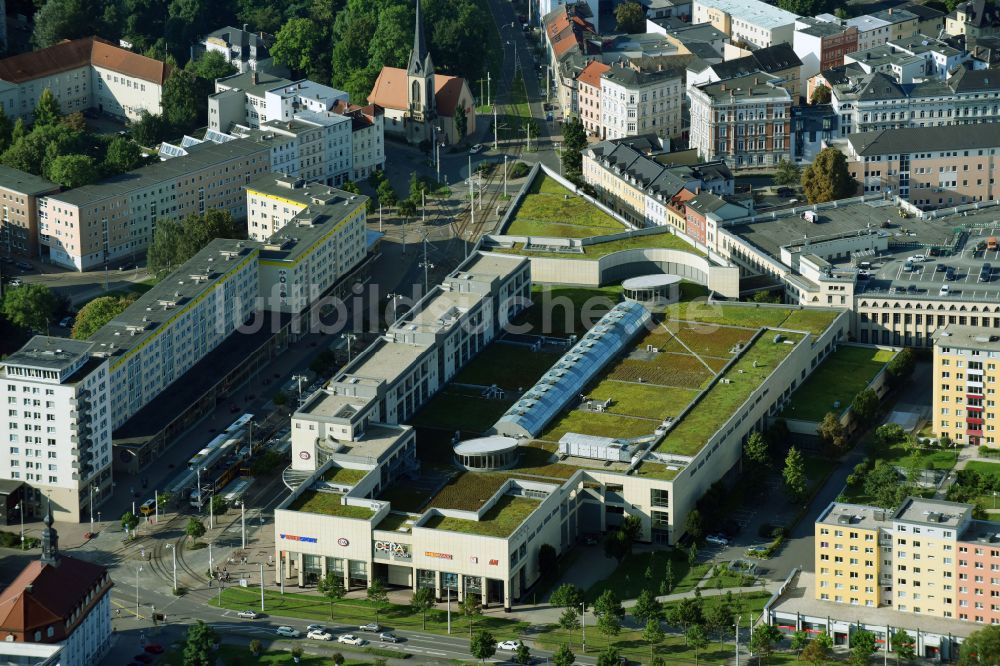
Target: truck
(991,243)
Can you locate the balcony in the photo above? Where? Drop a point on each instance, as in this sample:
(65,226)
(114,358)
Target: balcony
(973,421)
(974,408)
(973,432)
(973,395)
(973,386)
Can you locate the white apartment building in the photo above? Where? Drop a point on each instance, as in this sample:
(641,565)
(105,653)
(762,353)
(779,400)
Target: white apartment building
(255,98)
(324,145)
(752,22)
(367,140)
(57,434)
(634,102)
(86,73)
(243,49)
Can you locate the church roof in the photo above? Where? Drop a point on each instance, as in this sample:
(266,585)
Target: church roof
(390,91)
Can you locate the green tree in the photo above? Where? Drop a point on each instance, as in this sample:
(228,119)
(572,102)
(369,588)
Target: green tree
(255,647)
(827,178)
(129,521)
(149,130)
(565,595)
(609,604)
(719,617)
(461,122)
(97,313)
(218,505)
(647,607)
(820,95)
(194,529)
(5,129)
(301,45)
(483,645)
(211,66)
(884,485)
(765,637)
(696,639)
(72,171)
(472,608)
(815,652)
(523,654)
(865,406)
(757,450)
(30,306)
(574,142)
(901,366)
(653,634)
(569,619)
(563,656)
(122,155)
(863,646)
(180,101)
(631,17)
(799,640)
(407,209)
(981,647)
(687,612)
(331,586)
(903,645)
(386,195)
(19,131)
(377,596)
(199,644)
(831,433)
(787,173)
(692,554)
(422,601)
(795,475)
(393,35)
(694,525)
(417,186)
(668,575)
(609,657)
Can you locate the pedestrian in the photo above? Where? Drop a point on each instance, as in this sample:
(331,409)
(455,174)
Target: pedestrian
(118,612)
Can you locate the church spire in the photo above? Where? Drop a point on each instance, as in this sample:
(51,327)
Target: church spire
(50,539)
(419,57)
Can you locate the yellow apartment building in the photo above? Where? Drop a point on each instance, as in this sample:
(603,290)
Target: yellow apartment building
(965,384)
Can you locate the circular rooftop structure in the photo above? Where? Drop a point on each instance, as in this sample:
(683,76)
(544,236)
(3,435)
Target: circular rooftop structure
(654,289)
(486,453)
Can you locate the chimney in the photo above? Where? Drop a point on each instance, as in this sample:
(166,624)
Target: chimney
(253,77)
(756,81)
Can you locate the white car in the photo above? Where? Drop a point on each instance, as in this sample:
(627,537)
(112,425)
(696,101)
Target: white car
(919,257)
(372,627)
(320,635)
(478,148)
(290,632)
(350,639)
(248,614)
(315,627)
(508,645)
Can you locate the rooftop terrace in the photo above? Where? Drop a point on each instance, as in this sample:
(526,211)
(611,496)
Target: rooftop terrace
(500,521)
(328,504)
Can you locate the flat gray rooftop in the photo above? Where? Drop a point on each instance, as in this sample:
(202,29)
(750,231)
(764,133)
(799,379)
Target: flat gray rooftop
(932,512)
(967,337)
(25,183)
(855,515)
(293,188)
(49,353)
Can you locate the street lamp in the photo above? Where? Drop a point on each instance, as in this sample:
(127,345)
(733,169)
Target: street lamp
(299,379)
(350,337)
(583,626)
(173,551)
(394,299)
(243,523)
(20,511)
(137,572)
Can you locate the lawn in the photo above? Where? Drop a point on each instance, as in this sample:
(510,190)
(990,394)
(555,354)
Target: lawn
(344,476)
(841,376)
(312,501)
(810,321)
(984,468)
(718,343)
(395,522)
(239,655)
(499,521)
(601,425)
(597,250)
(468,491)
(666,369)
(722,400)
(537,460)
(564,311)
(653,402)
(456,409)
(753,316)
(509,366)
(629,579)
(551,210)
(654,470)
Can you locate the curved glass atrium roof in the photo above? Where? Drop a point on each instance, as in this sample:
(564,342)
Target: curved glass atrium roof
(567,378)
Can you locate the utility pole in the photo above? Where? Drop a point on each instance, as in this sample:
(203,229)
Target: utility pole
(243,523)
(487,88)
(173,551)
(92,507)
(505,177)
(350,337)
(261,587)
(211,512)
(423,212)
(738,618)
(449,610)
(156,506)
(380,218)
(137,572)
(583,622)
(495,128)
(426,265)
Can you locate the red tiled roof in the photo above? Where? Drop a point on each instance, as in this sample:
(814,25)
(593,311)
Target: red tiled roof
(591,74)
(389,91)
(44,595)
(76,53)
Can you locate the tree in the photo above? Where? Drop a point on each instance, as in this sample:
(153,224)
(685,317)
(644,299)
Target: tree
(72,171)
(386,195)
(901,366)
(815,652)
(569,619)
(820,95)
(692,554)
(795,475)
(195,529)
(799,640)
(546,560)
(122,156)
(218,505)
(617,545)
(30,306)
(472,608)
(567,595)
(609,604)
(903,645)
(574,142)
(865,406)
(689,611)
(609,657)
(863,646)
(831,433)
(255,647)
(19,131)
(483,645)
(5,129)
(47,110)
(149,130)
(981,647)
(180,101)
(407,208)
(884,485)
(129,521)
(719,618)
(757,450)
(422,601)
(647,607)
(631,17)
(377,596)
(331,586)
(765,637)
(523,654)
(563,656)
(461,122)
(300,45)
(199,644)
(696,639)
(787,173)
(693,525)
(653,634)
(827,177)
(668,575)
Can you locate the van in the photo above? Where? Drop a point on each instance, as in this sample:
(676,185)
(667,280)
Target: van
(944,290)
(865,265)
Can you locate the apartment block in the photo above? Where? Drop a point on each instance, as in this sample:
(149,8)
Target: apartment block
(929,167)
(743,121)
(255,98)
(749,22)
(822,45)
(588,85)
(86,73)
(965,378)
(19,193)
(850,548)
(974,19)
(243,49)
(641,102)
(114,219)
(367,139)
(779,61)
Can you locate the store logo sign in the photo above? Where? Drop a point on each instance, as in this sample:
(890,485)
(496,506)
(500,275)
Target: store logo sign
(343,542)
(400,551)
(440,556)
(494,563)
(293,537)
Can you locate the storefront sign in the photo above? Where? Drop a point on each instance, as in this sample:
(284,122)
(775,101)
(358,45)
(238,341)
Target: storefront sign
(293,537)
(494,563)
(440,556)
(304,455)
(343,542)
(399,551)
(473,560)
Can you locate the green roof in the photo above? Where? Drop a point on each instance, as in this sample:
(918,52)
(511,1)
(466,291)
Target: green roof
(596,251)
(812,320)
(552,210)
(500,521)
(841,376)
(344,476)
(329,504)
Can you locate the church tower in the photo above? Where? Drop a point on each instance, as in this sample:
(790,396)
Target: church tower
(50,540)
(420,82)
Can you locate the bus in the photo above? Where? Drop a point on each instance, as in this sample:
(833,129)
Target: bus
(235,491)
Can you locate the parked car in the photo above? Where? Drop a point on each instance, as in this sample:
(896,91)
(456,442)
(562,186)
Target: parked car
(785,192)
(248,614)
(65,322)
(144,658)
(944,290)
(478,148)
(919,257)
(508,645)
(717,539)
(315,627)
(372,627)
(350,639)
(950,274)
(320,635)
(388,637)
(290,632)
(940,268)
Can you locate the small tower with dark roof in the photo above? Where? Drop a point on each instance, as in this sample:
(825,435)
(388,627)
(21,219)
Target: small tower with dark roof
(420,81)
(50,539)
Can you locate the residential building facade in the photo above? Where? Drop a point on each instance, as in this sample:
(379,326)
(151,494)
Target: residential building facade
(19,193)
(255,98)
(751,22)
(589,94)
(822,45)
(243,49)
(634,102)
(974,19)
(964,395)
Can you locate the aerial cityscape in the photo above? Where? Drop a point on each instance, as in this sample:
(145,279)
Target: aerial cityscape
(515,331)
